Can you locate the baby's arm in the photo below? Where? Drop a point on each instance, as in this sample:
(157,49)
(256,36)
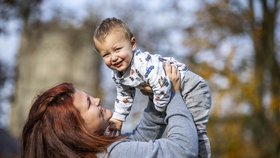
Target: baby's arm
(160,85)
(123,103)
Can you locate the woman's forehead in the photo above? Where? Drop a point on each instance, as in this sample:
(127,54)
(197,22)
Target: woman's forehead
(79,97)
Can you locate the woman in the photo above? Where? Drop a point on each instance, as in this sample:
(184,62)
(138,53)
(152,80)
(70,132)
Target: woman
(66,122)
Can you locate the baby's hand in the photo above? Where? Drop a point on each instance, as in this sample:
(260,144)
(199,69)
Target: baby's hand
(147,90)
(115,127)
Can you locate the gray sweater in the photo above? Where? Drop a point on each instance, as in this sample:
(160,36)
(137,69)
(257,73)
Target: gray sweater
(145,140)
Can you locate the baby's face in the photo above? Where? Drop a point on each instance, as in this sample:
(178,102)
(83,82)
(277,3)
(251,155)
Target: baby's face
(116,50)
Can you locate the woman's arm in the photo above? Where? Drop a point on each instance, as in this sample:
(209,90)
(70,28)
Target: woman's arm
(181,138)
(151,125)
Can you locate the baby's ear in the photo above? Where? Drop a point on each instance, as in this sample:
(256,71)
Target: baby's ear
(133,43)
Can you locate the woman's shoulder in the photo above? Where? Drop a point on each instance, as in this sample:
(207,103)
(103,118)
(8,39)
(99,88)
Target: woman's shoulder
(128,148)
(106,153)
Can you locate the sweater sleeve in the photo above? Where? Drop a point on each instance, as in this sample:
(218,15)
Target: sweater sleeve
(151,126)
(181,140)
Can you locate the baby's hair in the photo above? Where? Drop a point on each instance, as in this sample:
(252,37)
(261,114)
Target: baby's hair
(107,25)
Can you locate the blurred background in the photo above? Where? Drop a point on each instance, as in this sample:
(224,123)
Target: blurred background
(233,44)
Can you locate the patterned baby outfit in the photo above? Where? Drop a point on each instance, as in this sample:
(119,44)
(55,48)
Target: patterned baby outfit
(148,69)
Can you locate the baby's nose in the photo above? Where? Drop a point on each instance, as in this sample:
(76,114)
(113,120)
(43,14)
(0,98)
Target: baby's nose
(114,57)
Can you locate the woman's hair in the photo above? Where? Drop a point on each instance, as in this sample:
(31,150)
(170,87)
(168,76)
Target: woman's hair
(55,128)
(107,25)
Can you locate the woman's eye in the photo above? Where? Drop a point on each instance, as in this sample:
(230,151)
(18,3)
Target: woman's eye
(89,102)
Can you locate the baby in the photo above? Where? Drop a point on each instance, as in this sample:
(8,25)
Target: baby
(133,68)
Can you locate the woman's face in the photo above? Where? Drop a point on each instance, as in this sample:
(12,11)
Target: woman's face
(95,116)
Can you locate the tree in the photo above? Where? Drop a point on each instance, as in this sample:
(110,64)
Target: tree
(5,76)
(221,21)
(27,11)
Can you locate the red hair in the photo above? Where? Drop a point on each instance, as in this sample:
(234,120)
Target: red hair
(55,128)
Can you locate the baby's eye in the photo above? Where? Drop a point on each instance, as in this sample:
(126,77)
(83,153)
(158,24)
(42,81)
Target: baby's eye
(118,49)
(105,56)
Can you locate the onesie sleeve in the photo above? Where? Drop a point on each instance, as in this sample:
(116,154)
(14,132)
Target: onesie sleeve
(156,78)
(123,102)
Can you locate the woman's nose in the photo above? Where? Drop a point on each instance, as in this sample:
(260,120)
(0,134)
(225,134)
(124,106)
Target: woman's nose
(96,101)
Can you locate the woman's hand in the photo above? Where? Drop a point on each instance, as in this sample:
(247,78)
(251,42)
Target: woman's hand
(174,75)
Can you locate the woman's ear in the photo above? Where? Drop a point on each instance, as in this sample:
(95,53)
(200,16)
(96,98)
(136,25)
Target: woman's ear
(133,43)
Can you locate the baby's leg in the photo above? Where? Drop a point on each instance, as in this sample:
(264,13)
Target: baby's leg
(198,101)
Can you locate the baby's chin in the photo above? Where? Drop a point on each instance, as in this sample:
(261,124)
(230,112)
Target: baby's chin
(114,69)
